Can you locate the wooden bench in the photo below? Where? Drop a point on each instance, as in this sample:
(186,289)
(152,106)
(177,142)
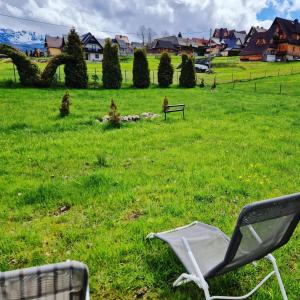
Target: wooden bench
(174,108)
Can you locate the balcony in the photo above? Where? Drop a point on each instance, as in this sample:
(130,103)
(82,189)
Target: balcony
(92,50)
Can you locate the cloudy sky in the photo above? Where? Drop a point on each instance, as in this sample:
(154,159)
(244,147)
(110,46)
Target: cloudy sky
(107,17)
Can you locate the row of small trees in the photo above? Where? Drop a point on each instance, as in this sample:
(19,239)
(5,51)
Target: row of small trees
(112,75)
(75,68)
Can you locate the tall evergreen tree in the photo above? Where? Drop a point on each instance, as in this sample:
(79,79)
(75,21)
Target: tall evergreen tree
(188,73)
(111,69)
(165,70)
(75,68)
(141,73)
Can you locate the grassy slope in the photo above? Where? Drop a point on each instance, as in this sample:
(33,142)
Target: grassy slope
(233,148)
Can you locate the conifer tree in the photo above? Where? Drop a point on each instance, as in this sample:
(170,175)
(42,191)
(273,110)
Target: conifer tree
(188,73)
(141,73)
(75,68)
(165,71)
(111,69)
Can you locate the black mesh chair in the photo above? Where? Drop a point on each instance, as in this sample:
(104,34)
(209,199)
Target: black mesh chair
(205,251)
(61,281)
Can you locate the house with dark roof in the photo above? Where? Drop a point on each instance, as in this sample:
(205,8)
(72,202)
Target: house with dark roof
(252,31)
(54,45)
(93,49)
(281,42)
(234,44)
(173,44)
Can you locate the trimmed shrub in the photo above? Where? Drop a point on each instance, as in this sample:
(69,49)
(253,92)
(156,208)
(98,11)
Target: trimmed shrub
(188,73)
(140,72)
(75,67)
(165,71)
(65,105)
(48,76)
(29,72)
(111,69)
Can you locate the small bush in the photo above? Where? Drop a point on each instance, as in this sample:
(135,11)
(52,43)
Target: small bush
(114,116)
(202,83)
(95,78)
(165,104)
(141,73)
(165,71)
(65,105)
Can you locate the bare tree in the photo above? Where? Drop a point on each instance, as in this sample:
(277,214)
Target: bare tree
(142,32)
(151,35)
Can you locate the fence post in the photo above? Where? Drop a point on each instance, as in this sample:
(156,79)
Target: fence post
(280,89)
(14,72)
(278,72)
(254,86)
(232,77)
(125,77)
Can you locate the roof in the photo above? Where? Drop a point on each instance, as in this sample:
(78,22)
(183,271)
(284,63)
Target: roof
(254,48)
(162,44)
(123,38)
(89,38)
(54,41)
(200,41)
(289,28)
(137,45)
(241,36)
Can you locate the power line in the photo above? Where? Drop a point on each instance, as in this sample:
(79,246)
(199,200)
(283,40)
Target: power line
(103,31)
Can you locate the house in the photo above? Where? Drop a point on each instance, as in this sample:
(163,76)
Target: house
(252,31)
(54,45)
(281,42)
(234,44)
(174,44)
(123,43)
(93,49)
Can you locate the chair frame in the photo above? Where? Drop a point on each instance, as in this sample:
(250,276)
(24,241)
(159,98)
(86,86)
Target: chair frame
(200,281)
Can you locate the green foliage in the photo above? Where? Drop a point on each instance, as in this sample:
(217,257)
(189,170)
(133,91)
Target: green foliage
(140,71)
(75,67)
(165,70)
(111,70)
(95,78)
(48,76)
(29,72)
(114,115)
(214,84)
(188,74)
(65,105)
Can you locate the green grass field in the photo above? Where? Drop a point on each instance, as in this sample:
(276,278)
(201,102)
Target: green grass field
(235,146)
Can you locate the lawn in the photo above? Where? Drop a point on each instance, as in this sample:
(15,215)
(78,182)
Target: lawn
(235,146)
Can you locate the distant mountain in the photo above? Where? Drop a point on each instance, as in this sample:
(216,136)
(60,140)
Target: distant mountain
(22,39)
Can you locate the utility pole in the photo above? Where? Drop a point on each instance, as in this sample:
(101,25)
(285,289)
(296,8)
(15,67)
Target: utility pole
(210,33)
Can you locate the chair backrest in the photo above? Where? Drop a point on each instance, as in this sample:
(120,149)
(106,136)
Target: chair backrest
(261,228)
(61,281)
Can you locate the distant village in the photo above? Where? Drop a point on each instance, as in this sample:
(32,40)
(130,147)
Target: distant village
(281,42)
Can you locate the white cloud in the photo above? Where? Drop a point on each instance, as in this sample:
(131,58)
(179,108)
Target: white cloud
(123,16)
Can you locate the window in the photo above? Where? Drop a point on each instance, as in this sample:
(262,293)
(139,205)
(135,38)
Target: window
(260,42)
(97,56)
